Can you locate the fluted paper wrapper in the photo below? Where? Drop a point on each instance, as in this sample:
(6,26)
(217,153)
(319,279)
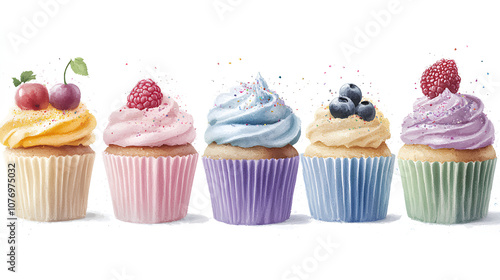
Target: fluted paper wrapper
(348,189)
(251,192)
(449,192)
(50,189)
(148,189)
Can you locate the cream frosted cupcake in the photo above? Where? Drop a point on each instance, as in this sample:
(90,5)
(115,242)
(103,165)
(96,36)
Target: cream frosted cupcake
(47,138)
(150,161)
(250,163)
(348,167)
(448,161)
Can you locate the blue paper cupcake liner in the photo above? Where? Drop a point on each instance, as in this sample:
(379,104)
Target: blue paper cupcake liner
(251,192)
(348,189)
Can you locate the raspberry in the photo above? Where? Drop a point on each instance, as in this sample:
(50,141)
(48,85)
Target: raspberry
(441,75)
(146,94)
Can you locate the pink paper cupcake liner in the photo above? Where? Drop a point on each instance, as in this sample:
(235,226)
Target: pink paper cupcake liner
(150,190)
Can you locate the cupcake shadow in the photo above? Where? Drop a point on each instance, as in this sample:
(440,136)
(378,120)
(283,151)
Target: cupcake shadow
(95,216)
(493,218)
(297,219)
(191,219)
(388,219)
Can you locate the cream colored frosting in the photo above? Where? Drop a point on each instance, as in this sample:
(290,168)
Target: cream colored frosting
(348,132)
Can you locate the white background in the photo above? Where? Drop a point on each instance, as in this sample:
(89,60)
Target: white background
(195,51)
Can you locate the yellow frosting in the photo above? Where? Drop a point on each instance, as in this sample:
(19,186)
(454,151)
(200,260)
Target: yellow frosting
(50,127)
(348,132)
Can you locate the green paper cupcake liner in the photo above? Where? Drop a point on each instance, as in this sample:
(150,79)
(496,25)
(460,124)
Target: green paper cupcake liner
(449,192)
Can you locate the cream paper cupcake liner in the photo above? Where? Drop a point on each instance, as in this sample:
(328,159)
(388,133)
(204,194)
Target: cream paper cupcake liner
(52,188)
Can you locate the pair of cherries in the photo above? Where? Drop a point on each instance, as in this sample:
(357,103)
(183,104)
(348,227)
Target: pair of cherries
(34,96)
(62,96)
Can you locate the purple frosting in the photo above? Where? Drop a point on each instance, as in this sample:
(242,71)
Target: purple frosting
(448,121)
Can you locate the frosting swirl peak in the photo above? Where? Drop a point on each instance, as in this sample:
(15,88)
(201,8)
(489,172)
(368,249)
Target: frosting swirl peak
(152,127)
(448,121)
(252,115)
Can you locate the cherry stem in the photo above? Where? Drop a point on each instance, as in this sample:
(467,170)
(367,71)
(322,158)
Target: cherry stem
(65,71)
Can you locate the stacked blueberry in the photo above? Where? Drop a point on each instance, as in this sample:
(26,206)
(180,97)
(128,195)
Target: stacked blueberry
(349,103)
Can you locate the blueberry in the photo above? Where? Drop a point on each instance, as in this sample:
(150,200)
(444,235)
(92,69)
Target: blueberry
(351,91)
(341,107)
(366,111)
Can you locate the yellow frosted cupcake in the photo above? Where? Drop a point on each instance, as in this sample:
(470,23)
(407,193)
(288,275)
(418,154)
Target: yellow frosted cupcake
(348,167)
(48,150)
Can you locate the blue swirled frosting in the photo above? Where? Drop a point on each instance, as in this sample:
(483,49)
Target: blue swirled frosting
(252,115)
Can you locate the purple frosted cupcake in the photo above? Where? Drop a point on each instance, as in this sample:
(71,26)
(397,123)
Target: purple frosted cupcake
(250,163)
(448,160)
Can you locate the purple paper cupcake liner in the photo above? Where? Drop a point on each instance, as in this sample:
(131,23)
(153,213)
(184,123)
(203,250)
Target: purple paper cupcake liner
(251,192)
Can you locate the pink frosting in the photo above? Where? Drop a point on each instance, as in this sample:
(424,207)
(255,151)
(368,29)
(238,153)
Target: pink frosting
(153,127)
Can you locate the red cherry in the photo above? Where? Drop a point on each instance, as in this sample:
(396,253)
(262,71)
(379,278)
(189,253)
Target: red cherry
(32,96)
(64,96)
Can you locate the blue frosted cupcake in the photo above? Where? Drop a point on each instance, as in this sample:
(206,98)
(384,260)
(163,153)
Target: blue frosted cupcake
(250,163)
(348,167)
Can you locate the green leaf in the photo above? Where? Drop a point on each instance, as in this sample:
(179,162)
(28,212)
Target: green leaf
(79,67)
(27,76)
(16,82)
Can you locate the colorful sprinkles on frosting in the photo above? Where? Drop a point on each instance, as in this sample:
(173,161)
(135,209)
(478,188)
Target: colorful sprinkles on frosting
(49,116)
(254,95)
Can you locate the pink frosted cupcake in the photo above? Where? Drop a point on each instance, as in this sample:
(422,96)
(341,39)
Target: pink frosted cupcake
(150,161)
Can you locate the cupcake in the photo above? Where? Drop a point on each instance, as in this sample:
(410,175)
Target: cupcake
(448,161)
(250,163)
(47,136)
(149,161)
(348,167)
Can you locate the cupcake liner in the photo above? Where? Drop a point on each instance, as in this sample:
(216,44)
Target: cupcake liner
(50,189)
(148,189)
(348,189)
(449,192)
(251,192)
